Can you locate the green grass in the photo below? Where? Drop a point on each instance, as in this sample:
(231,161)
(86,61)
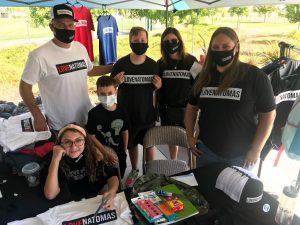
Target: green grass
(14,29)
(257,44)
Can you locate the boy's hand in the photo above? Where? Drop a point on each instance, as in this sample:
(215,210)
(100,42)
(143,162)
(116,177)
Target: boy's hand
(156,81)
(119,78)
(111,158)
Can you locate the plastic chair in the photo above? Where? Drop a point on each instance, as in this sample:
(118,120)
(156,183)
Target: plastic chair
(114,165)
(165,135)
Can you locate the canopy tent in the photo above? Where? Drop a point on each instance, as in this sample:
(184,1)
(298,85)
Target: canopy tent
(169,5)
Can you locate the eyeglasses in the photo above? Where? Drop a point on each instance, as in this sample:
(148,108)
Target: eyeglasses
(68,143)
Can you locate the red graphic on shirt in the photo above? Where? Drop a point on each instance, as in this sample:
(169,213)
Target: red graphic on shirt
(71,66)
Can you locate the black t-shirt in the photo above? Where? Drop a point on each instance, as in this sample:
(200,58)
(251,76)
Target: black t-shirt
(228,121)
(177,81)
(78,178)
(135,95)
(108,126)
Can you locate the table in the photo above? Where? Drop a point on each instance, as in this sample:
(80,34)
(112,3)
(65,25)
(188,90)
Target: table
(20,201)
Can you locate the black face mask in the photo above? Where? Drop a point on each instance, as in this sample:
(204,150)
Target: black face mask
(139,48)
(73,161)
(171,47)
(223,58)
(63,35)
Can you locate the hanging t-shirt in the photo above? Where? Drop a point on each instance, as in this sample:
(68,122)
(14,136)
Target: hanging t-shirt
(228,120)
(82,212)
(84,27)
(107,34)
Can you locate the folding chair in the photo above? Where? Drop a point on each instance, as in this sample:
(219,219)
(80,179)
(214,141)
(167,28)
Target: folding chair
(165,135)
(114,165)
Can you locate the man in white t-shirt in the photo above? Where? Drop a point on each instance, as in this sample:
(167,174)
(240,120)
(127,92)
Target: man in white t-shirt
(60,68)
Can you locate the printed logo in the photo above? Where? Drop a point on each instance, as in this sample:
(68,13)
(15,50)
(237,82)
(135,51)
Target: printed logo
(287,96)
(103,217)
(138,79)
(254,200)
(78,174)
(230,93)
(27,125)
(266,208)
(108,30)
(179,74)
(64,12)
(81,23)
(71,66)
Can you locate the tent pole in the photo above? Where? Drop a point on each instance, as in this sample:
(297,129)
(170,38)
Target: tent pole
(167,13)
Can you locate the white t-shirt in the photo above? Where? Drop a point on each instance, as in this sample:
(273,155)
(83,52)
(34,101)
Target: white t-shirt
(61,75)
(17,132)
(82,212)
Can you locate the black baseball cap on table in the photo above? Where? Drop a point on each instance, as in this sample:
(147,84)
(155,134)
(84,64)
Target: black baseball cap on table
(62,11)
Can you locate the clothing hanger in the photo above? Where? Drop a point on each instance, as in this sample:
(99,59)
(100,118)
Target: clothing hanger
(68,3)
(77,3)
(105,12)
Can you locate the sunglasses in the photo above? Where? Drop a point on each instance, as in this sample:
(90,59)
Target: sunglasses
(171,41)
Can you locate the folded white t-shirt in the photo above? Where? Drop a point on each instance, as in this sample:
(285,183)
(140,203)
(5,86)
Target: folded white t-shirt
(82,212)
(18,131)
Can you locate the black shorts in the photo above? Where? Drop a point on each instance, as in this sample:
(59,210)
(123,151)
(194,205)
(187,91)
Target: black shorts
(172,116)
(136,136)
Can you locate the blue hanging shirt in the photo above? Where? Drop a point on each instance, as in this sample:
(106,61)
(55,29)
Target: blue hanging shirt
(107,34)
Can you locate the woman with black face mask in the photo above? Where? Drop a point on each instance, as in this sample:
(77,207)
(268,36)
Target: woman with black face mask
(174,69)
(236,105)
(136,75)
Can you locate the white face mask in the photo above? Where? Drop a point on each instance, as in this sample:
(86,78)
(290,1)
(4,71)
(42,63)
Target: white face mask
(107,101)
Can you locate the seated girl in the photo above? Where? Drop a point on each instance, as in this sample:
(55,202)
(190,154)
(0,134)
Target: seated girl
(78,164)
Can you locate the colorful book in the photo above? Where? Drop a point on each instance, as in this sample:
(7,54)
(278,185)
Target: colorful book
(188,210)
(155,207)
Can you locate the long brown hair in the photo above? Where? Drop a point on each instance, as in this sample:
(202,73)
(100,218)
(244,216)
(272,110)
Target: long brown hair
(231,76)
(164,55)
(90,151)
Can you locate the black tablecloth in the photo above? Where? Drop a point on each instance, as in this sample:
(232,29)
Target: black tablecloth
(20,201)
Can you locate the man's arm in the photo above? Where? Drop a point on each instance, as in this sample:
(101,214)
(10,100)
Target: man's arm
(26,93)
(100,70)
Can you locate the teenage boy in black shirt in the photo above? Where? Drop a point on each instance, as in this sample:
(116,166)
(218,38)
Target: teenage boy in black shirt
(137,79)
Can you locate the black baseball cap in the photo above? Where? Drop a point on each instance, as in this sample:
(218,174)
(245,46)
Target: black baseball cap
(62,11)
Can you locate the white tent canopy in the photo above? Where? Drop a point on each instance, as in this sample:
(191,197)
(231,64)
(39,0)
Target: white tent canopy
(146,4)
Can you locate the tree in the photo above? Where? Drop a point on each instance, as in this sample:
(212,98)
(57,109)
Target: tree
(40,16)
(293,14)
(239,11)
(211,12)
(190,17)
(265,10)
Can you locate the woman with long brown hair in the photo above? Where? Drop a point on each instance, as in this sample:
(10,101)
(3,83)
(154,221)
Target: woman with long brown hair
(174,69)
(236,105)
